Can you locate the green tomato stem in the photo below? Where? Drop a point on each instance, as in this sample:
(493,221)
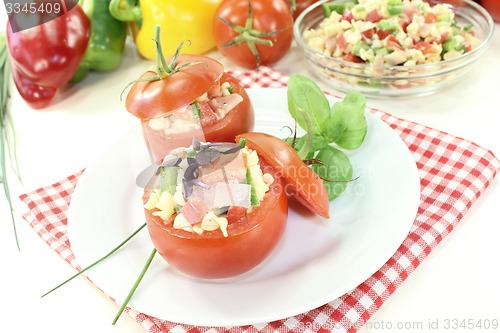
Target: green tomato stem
(161,65)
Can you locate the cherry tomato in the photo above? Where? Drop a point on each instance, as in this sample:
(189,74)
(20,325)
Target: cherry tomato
(270,22)
(301,181)
(211,255)
(493,7)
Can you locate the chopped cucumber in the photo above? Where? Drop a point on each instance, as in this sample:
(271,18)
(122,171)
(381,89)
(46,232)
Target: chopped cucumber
(330,7)
(394,2)
(254,199)
(169,179)
(358,46)
(453,44)
(388,25)
(196,110)
(394,10)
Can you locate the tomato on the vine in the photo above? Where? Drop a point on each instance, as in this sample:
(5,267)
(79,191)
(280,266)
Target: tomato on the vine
(253,32)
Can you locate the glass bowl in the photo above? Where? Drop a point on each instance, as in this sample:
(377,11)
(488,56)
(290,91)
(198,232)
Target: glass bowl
(397,80)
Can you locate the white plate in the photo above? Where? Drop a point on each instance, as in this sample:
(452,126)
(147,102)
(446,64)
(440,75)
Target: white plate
(316,262)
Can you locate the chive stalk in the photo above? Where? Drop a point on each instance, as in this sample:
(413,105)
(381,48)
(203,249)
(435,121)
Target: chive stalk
(134,287)
(97,261)
(7,148)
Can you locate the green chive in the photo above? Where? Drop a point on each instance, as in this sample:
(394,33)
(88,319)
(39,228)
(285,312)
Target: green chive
(7,148)
(134,287)
(97,261)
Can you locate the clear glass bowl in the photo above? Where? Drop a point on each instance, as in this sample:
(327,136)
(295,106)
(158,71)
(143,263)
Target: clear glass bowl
(396,81)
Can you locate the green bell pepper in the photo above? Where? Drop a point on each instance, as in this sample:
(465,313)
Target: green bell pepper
(106,45)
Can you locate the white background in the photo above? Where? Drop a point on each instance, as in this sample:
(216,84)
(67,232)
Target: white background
(459,280)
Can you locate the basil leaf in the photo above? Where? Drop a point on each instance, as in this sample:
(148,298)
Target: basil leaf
(348,125)
(336,168)
(306,99)
(318,143)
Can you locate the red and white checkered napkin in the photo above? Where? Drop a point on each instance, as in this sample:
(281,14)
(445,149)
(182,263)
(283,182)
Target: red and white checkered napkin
(454,173)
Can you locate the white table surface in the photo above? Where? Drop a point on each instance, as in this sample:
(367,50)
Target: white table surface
(458,280)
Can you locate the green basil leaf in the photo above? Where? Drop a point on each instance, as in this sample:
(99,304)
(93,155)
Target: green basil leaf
(318,143)
(306,99)
(348,125)
(336,168)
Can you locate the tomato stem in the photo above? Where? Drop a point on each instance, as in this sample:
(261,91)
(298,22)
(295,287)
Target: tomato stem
(161,65)
(161,69)
(247,34)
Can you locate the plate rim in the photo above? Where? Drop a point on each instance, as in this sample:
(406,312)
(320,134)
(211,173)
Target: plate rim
(279,314)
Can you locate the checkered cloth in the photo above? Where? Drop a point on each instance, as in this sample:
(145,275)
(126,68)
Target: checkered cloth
(454,173)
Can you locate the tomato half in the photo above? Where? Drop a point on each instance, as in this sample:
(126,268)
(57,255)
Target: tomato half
(267,17)
(301,181)
(211,255)
(239,120)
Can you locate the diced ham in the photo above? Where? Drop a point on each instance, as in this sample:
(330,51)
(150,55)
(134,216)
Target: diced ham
(207,115)
(341,42)
(392,43)
(331,43)
(347,16)
(194,210)
(223,104)
(373,16)
(227,168)
(378,66)
(425,47)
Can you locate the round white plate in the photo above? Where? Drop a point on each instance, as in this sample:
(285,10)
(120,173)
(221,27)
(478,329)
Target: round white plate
(316,262)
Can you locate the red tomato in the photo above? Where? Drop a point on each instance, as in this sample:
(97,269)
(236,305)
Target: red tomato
(271,21)
(211,255)
(300,6)
(239,120)
(352,58)
(424,47)
(493,7)
(150,99)
(301,181)
(373,16)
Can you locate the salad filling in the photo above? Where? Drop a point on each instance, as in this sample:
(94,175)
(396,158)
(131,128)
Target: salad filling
(207,109)
(207,187)
(390,32)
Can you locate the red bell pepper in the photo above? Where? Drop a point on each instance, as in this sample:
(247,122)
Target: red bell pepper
(45,57)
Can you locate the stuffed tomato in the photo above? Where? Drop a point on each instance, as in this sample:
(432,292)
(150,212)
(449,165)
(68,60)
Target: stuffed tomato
(215,210)
(191,97)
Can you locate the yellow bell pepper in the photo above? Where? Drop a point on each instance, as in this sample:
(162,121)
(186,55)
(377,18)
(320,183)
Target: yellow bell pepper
(180,20)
